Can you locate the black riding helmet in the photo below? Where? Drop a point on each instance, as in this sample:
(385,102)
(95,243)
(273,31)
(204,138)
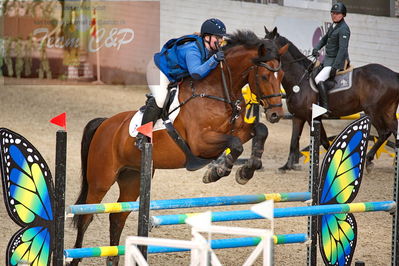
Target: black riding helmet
(213,26)
(339,8)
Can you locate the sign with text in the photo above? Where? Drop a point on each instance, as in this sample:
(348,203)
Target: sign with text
(64,40)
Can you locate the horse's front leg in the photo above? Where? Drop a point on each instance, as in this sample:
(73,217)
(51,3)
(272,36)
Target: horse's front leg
(222,166)
(246,172)
(293,157)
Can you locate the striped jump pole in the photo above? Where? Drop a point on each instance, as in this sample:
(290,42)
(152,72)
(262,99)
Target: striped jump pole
(188,203)
(215,244)
(280,212)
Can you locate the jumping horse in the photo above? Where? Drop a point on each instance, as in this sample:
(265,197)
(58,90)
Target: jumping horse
(211,127)
(375,90)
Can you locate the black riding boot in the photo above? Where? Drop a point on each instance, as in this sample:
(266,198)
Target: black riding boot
(152,113)
(323,95)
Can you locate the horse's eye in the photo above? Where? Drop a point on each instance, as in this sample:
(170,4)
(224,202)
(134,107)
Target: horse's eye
(264,77)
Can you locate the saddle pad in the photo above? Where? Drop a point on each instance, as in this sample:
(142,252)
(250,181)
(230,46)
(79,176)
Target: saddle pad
(136,120)
(342,82)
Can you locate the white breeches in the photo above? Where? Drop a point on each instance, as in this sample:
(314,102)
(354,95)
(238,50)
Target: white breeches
(157,82)
(323,75)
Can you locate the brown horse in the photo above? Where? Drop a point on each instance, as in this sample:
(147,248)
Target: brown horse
(375,90)
(109,154)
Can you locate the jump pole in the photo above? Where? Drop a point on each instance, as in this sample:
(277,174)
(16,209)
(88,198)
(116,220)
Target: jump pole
(145,192)
(280,212)
(215,244)
(395,221)
(187,203)
(313,183)
(59,210)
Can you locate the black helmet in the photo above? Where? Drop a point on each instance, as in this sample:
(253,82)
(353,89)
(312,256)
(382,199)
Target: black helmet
(339,8)
(213,26)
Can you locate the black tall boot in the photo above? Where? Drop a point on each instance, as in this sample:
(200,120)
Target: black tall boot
(152,113)
(323,95)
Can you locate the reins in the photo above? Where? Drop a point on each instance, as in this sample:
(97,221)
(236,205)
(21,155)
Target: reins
(307,71)
(236,108)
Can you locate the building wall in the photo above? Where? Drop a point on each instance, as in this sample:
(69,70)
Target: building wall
(373,39)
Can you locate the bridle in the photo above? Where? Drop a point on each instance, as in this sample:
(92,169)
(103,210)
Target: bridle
(265,98)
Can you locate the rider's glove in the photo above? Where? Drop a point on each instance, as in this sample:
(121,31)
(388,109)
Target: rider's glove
(315,53)
(219,56)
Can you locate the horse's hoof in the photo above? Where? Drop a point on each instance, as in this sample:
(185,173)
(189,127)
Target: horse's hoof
(297,167)
(369,167)
(210,176)
(74,262)
(112,261)
(242,177)
(281,170)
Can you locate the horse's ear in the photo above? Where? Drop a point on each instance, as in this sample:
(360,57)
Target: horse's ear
(283,49)
(266,31)
(274,34)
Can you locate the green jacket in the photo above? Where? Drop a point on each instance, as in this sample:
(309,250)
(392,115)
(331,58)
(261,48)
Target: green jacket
(336,41)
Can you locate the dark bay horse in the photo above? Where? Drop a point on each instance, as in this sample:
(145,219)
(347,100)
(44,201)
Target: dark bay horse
(375,90)
(109,155)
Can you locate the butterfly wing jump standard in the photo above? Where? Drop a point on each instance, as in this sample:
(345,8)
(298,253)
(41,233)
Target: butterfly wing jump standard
(341,175)
(28,196)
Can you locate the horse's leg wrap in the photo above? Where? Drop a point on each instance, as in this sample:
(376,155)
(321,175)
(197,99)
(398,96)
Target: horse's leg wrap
(223,165)
(246,172)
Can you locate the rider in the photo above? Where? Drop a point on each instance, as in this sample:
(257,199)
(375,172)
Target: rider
(194,58)
(336,40)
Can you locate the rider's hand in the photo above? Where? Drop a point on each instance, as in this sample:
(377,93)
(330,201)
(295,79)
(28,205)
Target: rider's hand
(333,72)
(315,53)
(219,56)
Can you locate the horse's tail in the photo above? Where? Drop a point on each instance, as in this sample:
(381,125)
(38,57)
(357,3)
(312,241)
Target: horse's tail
(88,134)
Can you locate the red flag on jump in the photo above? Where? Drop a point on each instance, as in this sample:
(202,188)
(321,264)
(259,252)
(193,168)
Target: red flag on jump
(146,130)
(59,120)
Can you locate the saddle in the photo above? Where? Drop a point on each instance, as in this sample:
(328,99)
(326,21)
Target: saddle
(168,110)
(342,80)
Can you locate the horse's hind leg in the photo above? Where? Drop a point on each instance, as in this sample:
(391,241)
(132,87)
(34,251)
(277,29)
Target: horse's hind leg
(84,221)
(246,172)
(223,165)
(129,189)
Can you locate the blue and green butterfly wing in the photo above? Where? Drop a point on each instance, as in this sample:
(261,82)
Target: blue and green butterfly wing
(28,196)
(342,171)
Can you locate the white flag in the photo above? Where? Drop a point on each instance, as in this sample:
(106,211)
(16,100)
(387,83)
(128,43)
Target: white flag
(265,209)
(200,220)
(317,111)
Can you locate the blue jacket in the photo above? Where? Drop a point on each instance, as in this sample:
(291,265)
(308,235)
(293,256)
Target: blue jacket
(189,59)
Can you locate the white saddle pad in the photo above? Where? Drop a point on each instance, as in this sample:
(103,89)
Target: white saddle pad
(136,120)
(343,82)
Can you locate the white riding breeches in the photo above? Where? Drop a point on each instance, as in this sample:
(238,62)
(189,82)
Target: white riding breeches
(323,75)
(157,82)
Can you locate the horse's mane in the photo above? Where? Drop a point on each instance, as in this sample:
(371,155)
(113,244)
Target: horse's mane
(250,40)
(294,51)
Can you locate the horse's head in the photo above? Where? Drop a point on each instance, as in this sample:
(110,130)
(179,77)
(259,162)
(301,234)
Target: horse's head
(265,79)
(257,62)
